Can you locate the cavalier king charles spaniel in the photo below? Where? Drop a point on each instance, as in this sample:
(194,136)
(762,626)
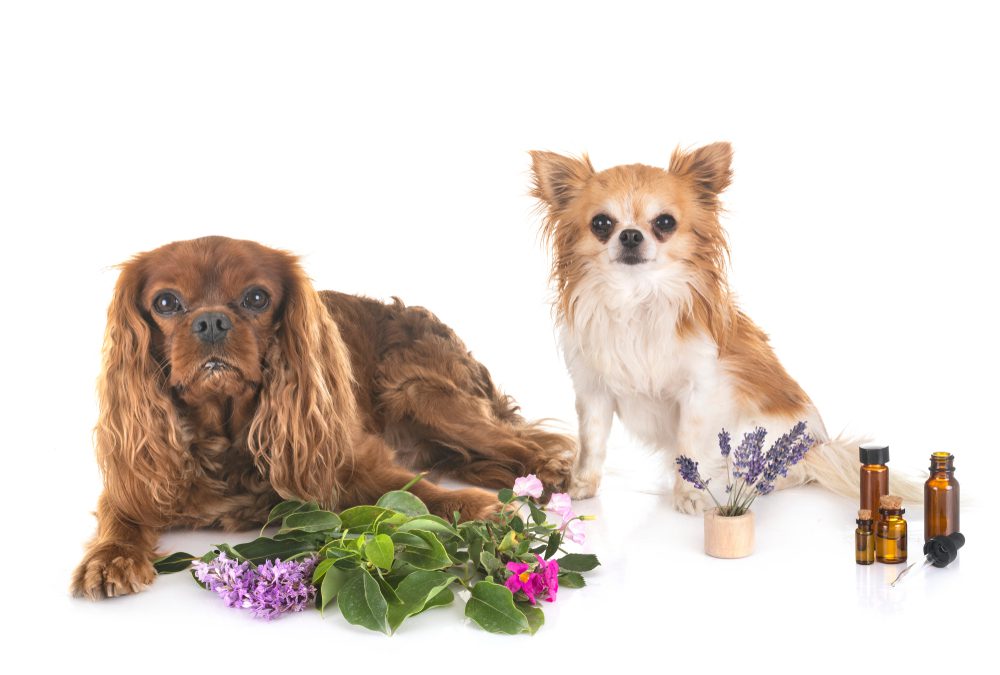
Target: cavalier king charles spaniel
(229,384)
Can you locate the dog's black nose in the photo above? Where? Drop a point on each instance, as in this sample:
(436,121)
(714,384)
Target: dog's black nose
(211,327)
(630,238)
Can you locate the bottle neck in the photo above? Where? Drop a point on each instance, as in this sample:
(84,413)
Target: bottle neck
(892,514)
(864,525)
(942,462)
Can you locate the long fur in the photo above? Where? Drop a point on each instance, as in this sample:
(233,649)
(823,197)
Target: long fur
(662,343)
(296,400)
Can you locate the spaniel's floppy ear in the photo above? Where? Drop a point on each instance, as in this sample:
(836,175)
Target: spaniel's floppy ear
(558,179)
(136,435)
(708,168)
(302,430)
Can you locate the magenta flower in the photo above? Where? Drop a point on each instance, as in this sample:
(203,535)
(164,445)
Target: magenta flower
(528,486)
(549,572)
(524,580)
(542,582)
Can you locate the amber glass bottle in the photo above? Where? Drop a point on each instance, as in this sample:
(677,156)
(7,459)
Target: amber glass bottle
(941,497)
(890,531)
(874,475)
(864,539)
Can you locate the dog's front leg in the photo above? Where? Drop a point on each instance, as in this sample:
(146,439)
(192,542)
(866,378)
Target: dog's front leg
(700,418)
(595,409)
(119,560)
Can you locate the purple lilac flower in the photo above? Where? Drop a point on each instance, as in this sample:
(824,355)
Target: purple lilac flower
(748,458)
(283,587)
(688,468)
(267,590)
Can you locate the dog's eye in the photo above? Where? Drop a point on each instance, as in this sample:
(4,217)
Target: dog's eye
(166,303)
(256,299)
(665,222)
(602,225)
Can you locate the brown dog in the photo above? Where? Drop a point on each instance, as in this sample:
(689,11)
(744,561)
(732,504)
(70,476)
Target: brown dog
(229,384)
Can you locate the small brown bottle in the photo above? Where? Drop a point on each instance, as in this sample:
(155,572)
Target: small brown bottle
(941,497)
(874,475)
(864,539)
(890,531)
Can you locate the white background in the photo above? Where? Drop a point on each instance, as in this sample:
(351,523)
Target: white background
(387,143)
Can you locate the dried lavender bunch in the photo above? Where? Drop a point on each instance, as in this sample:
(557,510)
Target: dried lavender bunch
(751,471)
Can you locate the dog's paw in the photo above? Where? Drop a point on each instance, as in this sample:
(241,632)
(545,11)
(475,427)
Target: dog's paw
(585,485)
(110,572)
(692,501)
(555,470)
(471,504)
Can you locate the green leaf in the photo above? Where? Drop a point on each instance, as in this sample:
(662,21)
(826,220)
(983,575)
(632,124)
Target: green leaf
(403,502)
(522,548)
(488,562)
(422,550)
(578,562)
(506,495)
(321,569)
(361,602)
(379,551)
(534,615)
(175,562)
(445,597)
(360,518)
(431,524)
(416,591)
(571,580)
(492,607)
(517,524)
(554,540)
(537,514)
(311,521)
(265,548)
(287,508)
(333,582)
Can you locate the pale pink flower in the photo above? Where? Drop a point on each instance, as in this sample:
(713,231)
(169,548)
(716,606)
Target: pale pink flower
(562,505)
(528,486)
(574,531)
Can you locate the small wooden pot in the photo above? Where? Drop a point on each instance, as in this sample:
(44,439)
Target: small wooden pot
(728,536)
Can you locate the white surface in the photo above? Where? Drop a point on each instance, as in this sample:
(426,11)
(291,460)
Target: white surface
(388,146)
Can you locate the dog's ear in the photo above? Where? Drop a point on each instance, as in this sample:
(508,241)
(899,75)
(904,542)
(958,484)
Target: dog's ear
(708,168)
(137,437)
(301,433)
(558,179)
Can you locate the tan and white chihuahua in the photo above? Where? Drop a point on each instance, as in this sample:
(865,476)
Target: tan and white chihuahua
(649,329)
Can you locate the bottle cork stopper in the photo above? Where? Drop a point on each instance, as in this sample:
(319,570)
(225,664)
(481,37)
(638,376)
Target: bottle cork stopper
(890,502)
(864,514)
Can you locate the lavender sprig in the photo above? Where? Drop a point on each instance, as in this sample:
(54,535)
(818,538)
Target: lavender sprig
(751,471)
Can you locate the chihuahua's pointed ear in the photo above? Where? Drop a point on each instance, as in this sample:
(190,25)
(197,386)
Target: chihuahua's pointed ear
(708,168)
(558,179)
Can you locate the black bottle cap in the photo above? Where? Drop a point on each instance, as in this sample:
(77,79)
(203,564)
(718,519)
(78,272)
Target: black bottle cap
(872,453)
(942,550)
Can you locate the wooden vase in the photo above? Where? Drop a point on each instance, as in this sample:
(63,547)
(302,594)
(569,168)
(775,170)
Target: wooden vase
(728,536)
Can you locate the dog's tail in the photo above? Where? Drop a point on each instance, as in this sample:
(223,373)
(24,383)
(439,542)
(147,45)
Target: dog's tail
(834,465)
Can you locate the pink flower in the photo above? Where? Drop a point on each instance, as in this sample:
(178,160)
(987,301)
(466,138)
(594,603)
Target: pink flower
(521,579)
(528,486)
(542,583)
(574,531)
(562,505)
(549,572)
